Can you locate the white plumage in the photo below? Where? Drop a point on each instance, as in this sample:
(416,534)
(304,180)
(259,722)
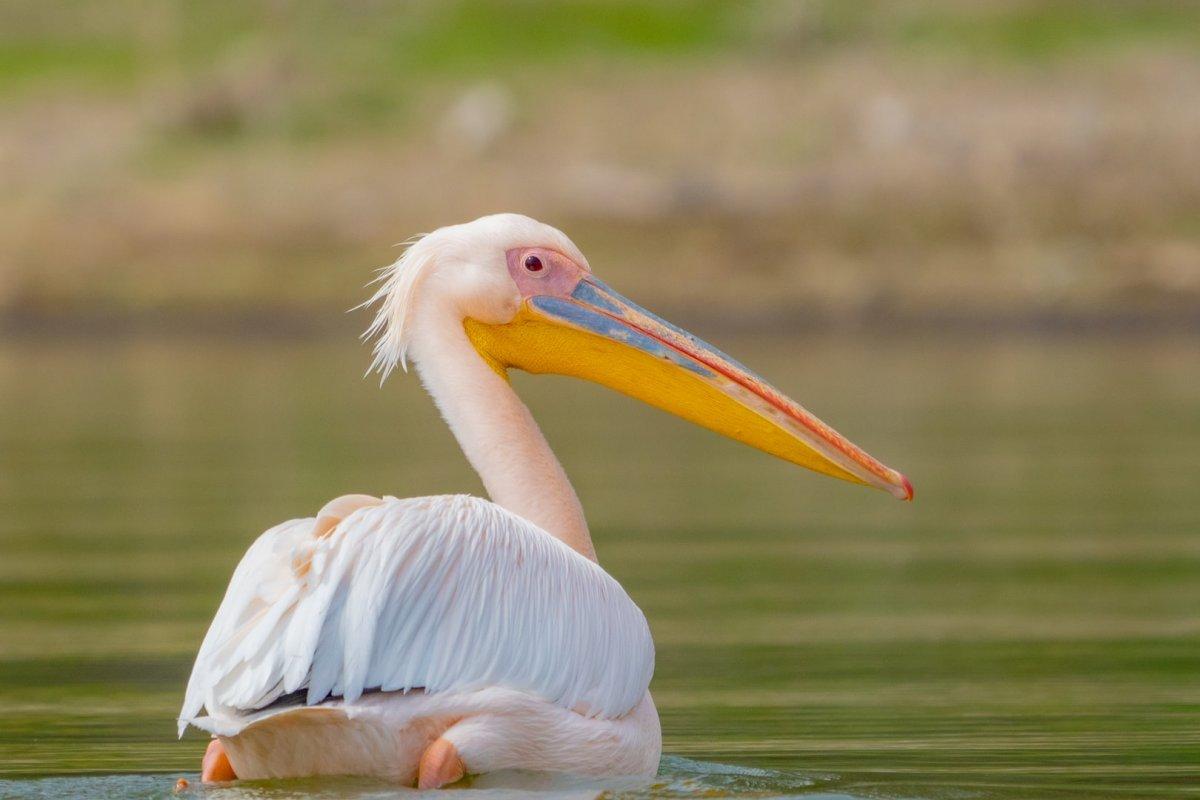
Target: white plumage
(430,638)
(443,594)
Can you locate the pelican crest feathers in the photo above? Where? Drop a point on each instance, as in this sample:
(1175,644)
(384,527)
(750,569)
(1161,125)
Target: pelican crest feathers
(391,329)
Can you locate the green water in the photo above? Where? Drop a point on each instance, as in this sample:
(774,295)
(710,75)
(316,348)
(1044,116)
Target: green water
(1030,627)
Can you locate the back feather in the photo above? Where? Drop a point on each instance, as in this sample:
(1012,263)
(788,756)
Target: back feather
(447,593)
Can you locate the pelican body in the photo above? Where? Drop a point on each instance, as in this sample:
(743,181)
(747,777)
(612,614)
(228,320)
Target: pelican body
(420,640)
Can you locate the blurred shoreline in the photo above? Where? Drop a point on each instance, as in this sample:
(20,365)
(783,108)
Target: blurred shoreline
(272,325)
(995,167)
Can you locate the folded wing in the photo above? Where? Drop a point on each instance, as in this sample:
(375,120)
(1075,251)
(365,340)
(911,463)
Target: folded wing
(432,593)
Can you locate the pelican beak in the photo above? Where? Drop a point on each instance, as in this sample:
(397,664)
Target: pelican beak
(589,331)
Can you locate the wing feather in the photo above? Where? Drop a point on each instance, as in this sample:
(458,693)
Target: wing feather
(433,593)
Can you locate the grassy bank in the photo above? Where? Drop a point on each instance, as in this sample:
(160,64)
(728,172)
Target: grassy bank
(848,164)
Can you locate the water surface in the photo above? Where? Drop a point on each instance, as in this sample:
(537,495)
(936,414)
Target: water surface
(1029,627)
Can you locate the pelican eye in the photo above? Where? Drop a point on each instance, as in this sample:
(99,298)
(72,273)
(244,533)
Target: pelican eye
(534,264)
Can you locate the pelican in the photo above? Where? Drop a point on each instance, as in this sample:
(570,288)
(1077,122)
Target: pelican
(425,639)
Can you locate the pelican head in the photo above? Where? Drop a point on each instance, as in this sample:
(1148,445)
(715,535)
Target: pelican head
(526,299)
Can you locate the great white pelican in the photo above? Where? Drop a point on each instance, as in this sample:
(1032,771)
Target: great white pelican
(423,639)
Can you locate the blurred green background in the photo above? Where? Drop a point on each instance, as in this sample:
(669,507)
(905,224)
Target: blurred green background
(965,234)
(828,163)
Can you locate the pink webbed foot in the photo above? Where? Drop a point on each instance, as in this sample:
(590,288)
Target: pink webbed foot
(216,767)
(440,765)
